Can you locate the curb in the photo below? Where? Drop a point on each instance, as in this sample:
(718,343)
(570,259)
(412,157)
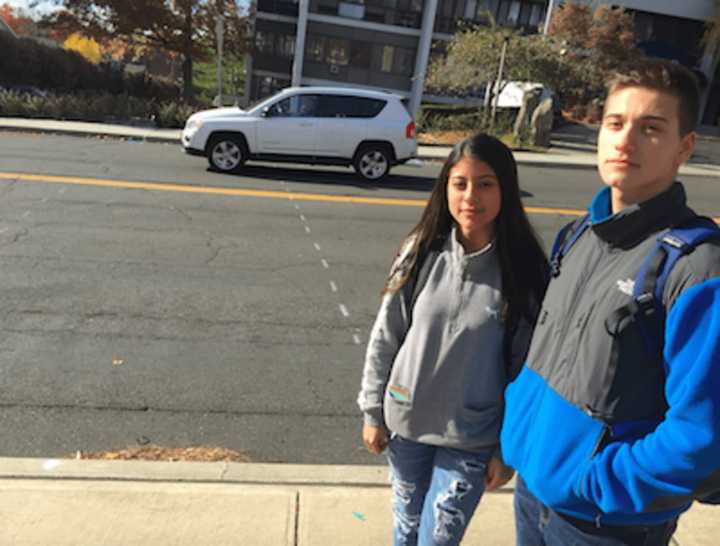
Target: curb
(95,133)
(586,161)
(193,472)
(276,474)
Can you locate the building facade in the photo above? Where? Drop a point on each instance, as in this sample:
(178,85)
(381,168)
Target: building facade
(385,44)
(376,44)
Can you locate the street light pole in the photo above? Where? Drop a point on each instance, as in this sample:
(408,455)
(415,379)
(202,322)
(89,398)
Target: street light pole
(548,16)
(219,24)
(498,84)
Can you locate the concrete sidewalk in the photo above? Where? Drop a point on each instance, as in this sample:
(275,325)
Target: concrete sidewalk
(565,151)
(122,503)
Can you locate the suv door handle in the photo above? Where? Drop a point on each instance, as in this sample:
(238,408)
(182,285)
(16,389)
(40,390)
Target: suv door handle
(306,124)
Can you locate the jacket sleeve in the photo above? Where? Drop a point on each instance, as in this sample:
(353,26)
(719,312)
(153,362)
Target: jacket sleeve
(669,466)
(386,337)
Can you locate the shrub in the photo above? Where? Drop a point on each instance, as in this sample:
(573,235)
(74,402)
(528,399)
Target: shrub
(173,115)
(438,119)
(86,106)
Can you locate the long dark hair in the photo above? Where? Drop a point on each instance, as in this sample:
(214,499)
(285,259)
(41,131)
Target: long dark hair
(523,264)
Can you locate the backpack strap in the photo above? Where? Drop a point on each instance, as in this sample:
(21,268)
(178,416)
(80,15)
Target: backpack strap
(652,277)
(421,277)
(565,240)
(415,284)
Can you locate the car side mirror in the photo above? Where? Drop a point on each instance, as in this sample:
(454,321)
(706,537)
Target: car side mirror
(266,112)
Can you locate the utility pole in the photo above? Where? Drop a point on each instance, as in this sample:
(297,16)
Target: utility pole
(499,79)
(219,34)
(548,16)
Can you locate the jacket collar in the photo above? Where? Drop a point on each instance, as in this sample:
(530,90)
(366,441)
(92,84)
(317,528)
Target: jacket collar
(636,223)
(477,260)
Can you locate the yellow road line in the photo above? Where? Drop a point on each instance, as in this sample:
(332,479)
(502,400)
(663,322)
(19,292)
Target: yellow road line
(213,190)
(551,210)
(299,196)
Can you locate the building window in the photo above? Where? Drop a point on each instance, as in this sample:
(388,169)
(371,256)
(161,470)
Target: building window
(275,43)
(315,49)
(264,42)
(387,58)
(536,15)
(285,45)
(338,51)
(360,54)
(404,61)
(514,13)
(470,9)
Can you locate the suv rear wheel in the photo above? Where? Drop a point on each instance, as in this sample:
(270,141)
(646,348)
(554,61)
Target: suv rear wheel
(372,162)
(227,153)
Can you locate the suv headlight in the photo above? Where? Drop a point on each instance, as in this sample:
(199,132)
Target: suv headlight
(193,124)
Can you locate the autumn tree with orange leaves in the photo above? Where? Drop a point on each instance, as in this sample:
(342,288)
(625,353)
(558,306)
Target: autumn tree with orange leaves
(185,27)
(598,41)
(17,20)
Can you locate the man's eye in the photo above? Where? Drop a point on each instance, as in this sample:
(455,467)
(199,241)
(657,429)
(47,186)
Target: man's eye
(649,129)
(613,124)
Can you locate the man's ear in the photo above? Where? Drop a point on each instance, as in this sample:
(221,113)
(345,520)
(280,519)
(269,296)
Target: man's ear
(687,146)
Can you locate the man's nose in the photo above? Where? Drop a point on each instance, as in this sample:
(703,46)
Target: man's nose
(625,140)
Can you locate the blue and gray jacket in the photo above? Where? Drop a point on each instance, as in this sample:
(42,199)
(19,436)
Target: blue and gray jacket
(599,429)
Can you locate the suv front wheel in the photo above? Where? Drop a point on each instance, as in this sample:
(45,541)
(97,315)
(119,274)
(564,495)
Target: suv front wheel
(227,153)
(372,162)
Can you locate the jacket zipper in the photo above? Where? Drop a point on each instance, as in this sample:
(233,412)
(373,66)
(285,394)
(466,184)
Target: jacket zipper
(579,289)
(606,434)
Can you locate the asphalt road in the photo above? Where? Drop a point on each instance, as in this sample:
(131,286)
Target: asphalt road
(236,319)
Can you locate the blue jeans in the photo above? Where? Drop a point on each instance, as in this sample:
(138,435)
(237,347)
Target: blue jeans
(538,525)
(435,491)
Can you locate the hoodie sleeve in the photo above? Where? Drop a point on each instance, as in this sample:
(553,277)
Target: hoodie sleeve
(386,337)
(681,457)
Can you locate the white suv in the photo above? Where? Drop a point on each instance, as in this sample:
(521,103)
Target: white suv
(370,130)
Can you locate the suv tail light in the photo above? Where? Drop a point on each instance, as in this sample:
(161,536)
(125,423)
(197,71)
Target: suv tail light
(410,130)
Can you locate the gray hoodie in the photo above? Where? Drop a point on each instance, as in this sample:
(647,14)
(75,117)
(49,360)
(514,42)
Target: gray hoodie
(441,382)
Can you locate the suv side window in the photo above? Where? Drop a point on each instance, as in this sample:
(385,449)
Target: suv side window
(367,108)
(303,106)
(343,106)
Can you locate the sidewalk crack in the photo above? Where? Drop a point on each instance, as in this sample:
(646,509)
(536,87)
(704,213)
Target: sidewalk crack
(296,540)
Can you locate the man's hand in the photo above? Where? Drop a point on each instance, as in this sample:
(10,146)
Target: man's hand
(375,438)
(498,474)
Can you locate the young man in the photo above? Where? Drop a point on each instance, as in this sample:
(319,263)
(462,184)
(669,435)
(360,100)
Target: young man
(612,441)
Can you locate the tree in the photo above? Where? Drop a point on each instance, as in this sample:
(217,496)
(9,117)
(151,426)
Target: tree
(185,27)
(473,56)
(22,24)
(87,47)
(711,37)
(598,41)
(711,43)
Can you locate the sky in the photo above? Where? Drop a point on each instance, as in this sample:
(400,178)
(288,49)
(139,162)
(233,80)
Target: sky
(40,6)
(46,6)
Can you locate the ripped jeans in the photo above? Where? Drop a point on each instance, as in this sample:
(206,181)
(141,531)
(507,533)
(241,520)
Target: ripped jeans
(435,491)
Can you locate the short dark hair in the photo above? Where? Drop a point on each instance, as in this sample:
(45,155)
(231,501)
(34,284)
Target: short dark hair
(668,77)
(523,264)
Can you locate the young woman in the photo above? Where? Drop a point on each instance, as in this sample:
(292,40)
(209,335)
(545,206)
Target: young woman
(453,328)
